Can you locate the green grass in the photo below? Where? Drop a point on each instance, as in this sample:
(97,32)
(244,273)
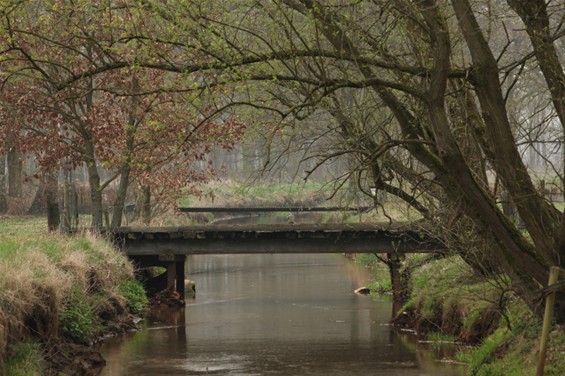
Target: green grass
(230,193)
(23,226)
(26,360)
(483,354)
(512,349)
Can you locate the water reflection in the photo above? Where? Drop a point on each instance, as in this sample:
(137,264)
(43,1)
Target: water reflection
(275,315)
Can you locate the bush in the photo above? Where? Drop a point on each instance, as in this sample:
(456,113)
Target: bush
(77,319)
(135,296)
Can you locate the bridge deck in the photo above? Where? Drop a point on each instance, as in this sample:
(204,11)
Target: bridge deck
(298,238)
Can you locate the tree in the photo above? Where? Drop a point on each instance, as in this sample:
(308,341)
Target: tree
(419,94)
(121,120)
(430,67)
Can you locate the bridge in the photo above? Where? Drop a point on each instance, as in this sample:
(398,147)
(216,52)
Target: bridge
(169,246)
(303,238)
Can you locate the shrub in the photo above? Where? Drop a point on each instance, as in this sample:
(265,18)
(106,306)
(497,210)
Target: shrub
(135,296)
(77,319)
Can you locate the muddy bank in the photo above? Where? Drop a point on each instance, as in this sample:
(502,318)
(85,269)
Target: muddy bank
(449,321)
(447,301)
(71,358)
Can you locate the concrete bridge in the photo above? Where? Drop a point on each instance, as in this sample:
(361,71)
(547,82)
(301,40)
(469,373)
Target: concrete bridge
(169,246)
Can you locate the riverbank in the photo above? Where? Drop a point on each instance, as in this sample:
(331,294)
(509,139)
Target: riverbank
(448,302)
(58,296)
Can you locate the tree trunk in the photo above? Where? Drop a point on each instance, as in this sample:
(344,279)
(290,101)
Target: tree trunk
(534,15)
(96,209)
(539,218)
(398,281)
(146,205)
(126,165)
(119,204)
(522,263)
(15,183)
(52,201)
(3,198)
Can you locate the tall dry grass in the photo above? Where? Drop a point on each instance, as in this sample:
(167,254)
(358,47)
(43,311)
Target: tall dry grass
(37,277)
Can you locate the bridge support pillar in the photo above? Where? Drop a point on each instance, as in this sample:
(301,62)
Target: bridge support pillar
(175,272)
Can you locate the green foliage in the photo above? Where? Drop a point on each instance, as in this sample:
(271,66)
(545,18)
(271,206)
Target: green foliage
(381,286)
(26,360)
(475,313)
(135,296)
(77,318)
(381,282)
(366,259)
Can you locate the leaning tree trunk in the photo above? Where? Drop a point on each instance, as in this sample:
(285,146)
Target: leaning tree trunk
(534,15)
(525,265)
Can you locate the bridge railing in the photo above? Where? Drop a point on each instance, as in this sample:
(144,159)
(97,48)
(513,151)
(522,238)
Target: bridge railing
(291,209)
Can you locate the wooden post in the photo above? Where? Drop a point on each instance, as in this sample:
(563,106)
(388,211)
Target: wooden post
(547,317)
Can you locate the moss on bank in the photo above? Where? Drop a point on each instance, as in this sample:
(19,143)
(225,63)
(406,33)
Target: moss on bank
(57,292)
(447,300)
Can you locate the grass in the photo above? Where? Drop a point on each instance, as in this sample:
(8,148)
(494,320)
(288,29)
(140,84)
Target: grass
(446,290)
(233,194)
(26,360)
(229,193)
(29,225)
(514,351)
(448,303)
(55,286)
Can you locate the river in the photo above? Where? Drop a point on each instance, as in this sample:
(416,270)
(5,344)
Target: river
(273,315)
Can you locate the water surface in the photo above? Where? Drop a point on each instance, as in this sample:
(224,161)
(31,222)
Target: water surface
(273,315)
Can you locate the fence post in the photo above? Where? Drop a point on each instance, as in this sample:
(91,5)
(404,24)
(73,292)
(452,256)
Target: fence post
(547,317)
